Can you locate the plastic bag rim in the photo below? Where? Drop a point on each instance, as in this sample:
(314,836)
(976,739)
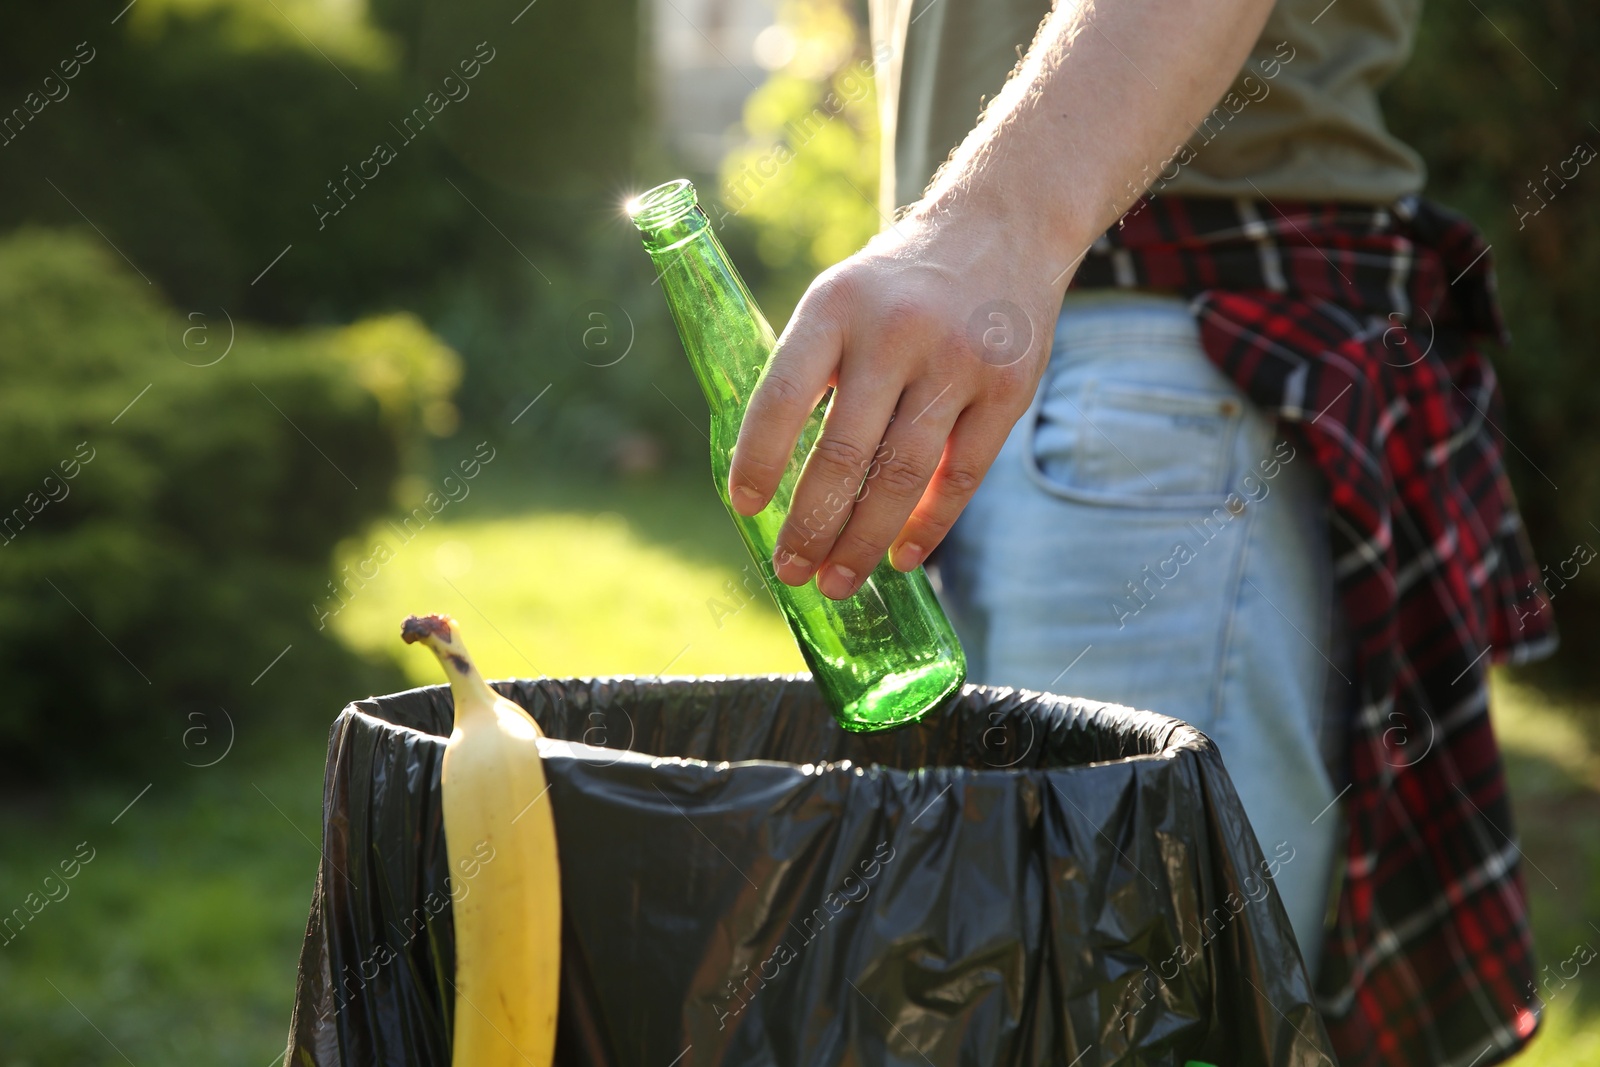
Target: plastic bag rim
(1181,737)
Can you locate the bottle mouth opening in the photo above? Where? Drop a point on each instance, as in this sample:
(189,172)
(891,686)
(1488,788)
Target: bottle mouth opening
(664,204)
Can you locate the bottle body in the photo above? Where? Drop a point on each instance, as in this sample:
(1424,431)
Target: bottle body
(885,655)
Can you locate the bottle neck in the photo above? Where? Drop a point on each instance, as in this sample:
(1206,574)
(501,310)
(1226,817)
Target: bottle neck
(725,336)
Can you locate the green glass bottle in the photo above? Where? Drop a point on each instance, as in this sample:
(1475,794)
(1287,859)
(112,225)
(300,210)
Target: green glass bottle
(886,655)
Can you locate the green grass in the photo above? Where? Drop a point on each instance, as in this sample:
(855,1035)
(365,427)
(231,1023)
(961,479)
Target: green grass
(178,943)
(1554,772)
(565,595)
(588,580)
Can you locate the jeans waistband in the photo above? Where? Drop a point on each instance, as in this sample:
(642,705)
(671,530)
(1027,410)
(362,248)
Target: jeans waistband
(1093,322)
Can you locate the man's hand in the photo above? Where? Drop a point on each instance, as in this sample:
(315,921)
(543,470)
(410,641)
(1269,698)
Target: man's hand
(934,337)
(936,334)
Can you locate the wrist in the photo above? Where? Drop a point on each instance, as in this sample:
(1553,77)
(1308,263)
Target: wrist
(1046,239)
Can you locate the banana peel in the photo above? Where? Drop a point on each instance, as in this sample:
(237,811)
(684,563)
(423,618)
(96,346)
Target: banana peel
(500,836)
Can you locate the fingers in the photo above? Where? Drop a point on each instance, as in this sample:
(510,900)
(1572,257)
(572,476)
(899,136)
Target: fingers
(842,459)
(895,481)
(976,440)
(914,423)
(801,367)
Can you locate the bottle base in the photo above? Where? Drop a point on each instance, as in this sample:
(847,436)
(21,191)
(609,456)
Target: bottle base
(899,699)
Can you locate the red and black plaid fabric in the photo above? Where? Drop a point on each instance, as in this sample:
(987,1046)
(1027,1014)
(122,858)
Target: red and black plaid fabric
(1357,327)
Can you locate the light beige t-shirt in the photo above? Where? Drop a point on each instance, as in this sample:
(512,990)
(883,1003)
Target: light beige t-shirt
(1300,122)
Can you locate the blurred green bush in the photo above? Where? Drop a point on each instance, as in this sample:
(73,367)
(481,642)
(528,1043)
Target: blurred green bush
(207,137)
(175,487)
(805,180)
(1497,98)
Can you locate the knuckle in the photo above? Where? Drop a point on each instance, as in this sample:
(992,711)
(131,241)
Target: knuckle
(960,481)
(844,459)
(1011,384)
(781,389)
(901,314)
(899,475)
(827,304)
(932,527)
(752,467)
(833,287)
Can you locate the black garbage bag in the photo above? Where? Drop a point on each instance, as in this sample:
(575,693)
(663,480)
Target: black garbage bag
(1020,879)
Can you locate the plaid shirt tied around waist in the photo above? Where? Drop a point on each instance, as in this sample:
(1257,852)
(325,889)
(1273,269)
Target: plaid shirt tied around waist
(1357,326)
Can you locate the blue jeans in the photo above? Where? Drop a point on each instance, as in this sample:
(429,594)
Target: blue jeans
(1146,538)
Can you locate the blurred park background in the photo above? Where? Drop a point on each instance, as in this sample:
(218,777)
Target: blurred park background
(314,313)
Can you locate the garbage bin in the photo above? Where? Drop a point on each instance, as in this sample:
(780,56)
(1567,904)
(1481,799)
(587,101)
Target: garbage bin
(1020,879)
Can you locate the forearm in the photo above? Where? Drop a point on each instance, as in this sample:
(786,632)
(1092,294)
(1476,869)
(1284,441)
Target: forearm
(1104,96)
